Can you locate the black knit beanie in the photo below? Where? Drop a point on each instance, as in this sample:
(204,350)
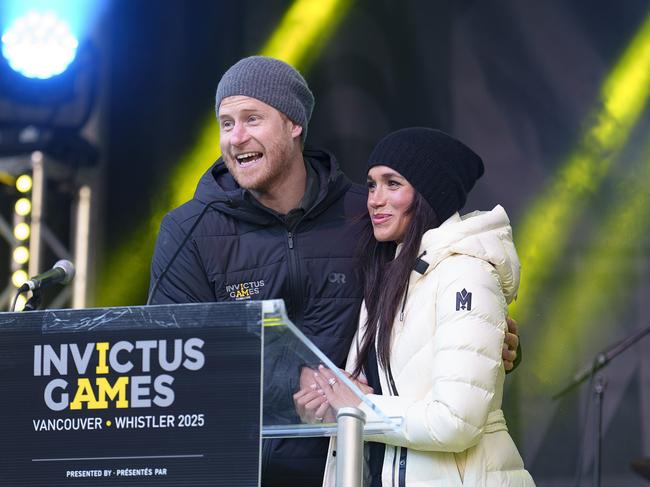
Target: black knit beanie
(272,81)
(442,169)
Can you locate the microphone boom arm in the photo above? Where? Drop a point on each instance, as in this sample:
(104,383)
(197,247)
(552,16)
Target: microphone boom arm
(602,359)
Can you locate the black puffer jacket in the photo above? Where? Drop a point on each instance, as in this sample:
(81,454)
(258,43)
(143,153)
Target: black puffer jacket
(311,266)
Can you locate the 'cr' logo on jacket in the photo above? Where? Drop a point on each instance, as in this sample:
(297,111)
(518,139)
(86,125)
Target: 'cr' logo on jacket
(336,278)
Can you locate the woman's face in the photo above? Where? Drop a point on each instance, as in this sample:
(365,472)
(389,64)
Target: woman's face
(389,197)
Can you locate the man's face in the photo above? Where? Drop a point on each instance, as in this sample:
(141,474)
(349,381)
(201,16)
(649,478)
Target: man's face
(258,143)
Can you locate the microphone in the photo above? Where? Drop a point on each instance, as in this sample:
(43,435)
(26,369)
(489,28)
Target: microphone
(62,272)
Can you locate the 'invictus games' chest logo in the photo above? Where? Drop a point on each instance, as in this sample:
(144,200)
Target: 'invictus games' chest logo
(244,290)
(463,300)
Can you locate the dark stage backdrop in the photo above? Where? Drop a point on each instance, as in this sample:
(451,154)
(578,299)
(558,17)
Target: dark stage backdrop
(518,81)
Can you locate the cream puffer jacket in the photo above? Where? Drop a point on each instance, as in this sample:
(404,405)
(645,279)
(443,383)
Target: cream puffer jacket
(446,362)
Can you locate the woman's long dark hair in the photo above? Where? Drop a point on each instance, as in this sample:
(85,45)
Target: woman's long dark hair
(385,280)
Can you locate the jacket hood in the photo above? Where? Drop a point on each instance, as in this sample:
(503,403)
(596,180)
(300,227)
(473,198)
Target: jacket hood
(217,186)
(486,235)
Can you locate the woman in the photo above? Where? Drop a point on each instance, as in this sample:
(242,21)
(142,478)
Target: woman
(431,330)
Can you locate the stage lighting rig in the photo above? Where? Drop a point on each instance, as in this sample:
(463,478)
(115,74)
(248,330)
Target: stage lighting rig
(49,80)
(39,45)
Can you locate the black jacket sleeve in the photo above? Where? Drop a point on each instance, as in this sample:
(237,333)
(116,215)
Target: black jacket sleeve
(186,280)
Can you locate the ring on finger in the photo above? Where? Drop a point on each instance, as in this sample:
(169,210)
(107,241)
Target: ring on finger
(331,381)
(319,419)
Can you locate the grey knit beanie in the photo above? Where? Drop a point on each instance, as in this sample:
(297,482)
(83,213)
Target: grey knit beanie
(441,168)
(273,82)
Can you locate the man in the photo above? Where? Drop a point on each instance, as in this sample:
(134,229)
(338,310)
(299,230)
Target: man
(283,218)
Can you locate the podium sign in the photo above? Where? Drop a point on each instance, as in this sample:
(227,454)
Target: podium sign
(164,395)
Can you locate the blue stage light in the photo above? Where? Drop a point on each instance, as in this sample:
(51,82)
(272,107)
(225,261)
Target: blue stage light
(39,45)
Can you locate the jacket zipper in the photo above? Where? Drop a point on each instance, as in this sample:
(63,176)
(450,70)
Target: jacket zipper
(403,452)
(400,468)
(296,304)
(266,453)
(295,289)
(416,268)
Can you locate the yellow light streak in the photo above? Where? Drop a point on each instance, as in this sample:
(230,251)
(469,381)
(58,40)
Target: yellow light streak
(596,290)
(543,234)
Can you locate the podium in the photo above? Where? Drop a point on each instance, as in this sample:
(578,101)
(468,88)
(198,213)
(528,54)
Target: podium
(153,395)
